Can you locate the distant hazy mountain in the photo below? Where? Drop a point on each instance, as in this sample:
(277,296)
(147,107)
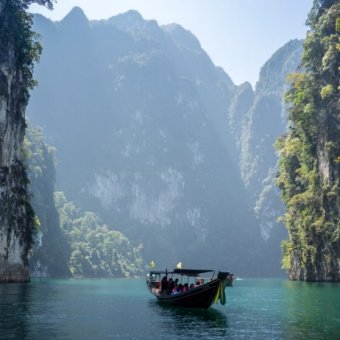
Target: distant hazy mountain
(257,118)
(149,135)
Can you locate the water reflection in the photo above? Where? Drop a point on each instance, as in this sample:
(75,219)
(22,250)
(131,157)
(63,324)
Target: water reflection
(25,310)
(191,322)
(14,310)
(312,310)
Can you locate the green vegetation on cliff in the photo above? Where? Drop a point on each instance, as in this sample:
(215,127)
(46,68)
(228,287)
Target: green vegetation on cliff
(70,240)
(16,29)
(96,251)
(51,250)
(309,154)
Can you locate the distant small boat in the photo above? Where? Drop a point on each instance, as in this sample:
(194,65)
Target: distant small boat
(200,293)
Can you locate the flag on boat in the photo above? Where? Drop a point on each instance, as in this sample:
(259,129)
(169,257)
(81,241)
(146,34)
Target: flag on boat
(152,264)
(179,265)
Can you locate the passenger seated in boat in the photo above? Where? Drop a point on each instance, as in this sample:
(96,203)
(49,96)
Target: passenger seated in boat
(199,282)
(192,286)
(164,285)
(171,286)
(180,288)
(185,288)
(175,288)
(176,285)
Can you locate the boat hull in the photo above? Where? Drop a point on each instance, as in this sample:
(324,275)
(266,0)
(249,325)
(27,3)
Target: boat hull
(198,297)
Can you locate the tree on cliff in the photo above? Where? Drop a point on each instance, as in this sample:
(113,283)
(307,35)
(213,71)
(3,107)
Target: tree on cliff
(309,154)
(19,50)
(47,3)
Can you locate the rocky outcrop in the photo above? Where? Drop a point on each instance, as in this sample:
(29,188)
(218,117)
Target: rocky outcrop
(256,119)
(309,154)
(16,214)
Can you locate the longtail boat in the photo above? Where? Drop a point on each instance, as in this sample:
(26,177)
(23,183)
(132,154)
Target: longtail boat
(196,292)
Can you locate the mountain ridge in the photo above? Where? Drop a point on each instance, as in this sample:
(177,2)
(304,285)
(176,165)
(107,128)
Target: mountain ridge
(145,141)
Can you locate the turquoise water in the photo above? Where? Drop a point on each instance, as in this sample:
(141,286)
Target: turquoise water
(123,309)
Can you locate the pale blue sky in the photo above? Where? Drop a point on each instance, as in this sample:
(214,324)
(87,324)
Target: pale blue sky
(239,35)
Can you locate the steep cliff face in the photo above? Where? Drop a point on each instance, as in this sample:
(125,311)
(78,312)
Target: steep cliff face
(138,114)
(309,154)
(18,51)
(16,215)
(256,118)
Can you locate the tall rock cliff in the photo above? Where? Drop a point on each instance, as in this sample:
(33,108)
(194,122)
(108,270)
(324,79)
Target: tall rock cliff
(310,154)
(256,119)
(18,50)
(16,219)
(139,115)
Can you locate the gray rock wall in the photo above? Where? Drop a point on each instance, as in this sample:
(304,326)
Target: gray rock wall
(16,215)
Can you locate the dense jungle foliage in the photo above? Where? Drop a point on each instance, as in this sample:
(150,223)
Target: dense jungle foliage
(96,251)
(310,153)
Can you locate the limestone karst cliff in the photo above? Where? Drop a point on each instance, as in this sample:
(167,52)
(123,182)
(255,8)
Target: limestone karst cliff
(138,114)
(18,50)
(256,119)
(310,154)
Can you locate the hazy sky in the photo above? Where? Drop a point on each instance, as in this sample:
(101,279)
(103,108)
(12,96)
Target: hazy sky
(239,35)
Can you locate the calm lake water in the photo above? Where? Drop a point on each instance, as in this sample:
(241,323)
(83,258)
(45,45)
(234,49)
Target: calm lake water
(123,309)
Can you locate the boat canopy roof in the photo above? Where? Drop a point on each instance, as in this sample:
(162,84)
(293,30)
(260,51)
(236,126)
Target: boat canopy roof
(187,272)
(159,272)
(191,272)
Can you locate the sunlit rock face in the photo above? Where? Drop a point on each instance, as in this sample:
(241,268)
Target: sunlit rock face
(16,216)
(139,115)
